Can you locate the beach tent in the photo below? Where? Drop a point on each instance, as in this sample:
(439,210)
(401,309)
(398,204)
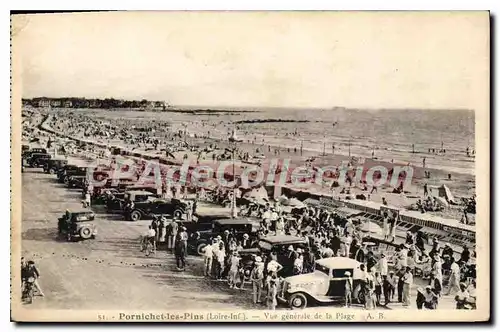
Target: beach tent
(295,203)
(445,192)
(442,202)
(257,193)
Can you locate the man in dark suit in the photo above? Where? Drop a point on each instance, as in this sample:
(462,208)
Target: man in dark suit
(246,243)
(435,284)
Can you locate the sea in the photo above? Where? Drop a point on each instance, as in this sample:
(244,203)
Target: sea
(398,135)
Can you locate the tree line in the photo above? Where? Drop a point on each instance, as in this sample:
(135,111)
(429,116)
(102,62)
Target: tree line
(74,102)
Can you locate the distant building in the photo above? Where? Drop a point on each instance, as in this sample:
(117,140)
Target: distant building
(68,104)
(56,103)
(44,102)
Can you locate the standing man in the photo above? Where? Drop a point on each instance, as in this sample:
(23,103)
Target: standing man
(257,279)
(348,290)
(389,287)
(172,234)
(407,283)
(208,255)
(180,254)
(454,280)
(234,262)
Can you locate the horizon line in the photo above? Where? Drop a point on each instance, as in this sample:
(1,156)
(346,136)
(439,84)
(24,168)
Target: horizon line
(331,108)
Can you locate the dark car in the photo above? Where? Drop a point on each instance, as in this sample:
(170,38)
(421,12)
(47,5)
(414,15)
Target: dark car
(277,244)
(38,159)
(174,208)
(77,225)
(76,181)
(206,231)
(117,203)
(70,170)
(24,148)
(52,166)
(27,154)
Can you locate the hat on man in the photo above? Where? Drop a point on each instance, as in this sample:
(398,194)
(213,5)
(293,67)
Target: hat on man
(299,250)
(428,287)
(258,259)
(347,273)
(245,236)
(226,231)
(290,247)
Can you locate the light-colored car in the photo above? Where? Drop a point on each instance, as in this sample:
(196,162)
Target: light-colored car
(325,285)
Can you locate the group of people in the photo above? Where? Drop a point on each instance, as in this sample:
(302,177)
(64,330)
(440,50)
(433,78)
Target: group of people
(169,235)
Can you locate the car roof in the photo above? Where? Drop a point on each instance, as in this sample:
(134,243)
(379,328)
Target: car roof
(239,221)
(339,263)
(138,192)
(81,212)
(284,239)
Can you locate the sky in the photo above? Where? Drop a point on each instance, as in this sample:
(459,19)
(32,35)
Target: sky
(280,59)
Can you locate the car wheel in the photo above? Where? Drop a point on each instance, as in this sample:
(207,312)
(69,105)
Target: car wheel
(359,296)
(66,180)
(35,165)
(178,214)
(85,232)
(135,215)
(297,301)
(52,171)
(200,248)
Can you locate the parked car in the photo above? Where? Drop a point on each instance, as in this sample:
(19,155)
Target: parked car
(117,204)
(276,243)
(173,208)
(52,166)
(64,173)
(208,230)
(323,286)
(77,225)
(76,181)
(27,154)
(38,159)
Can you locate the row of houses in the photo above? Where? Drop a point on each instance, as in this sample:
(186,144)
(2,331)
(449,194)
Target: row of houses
(44,102)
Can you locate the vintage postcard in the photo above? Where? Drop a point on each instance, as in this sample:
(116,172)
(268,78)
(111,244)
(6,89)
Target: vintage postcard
(250,166)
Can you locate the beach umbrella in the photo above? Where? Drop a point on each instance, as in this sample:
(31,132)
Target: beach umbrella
(257,193)
(442,202)
(282,199)
(295,203)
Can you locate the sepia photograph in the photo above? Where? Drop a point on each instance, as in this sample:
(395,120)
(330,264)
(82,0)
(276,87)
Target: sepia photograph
(250,166)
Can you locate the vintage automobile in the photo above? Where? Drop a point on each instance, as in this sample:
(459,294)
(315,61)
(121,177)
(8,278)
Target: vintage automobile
(65,172)
(54,165)
(79,225)
(207,231)
(147,209)
(117,204)
(277,244)
(76,181)
(323,286)
(27,154)
(38,159)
